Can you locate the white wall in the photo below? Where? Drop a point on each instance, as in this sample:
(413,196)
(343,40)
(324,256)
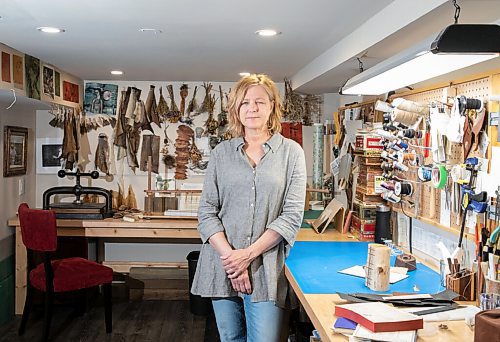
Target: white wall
(21,114)
(138,181)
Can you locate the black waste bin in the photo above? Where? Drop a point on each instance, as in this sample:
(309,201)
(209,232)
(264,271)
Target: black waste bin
(198,305)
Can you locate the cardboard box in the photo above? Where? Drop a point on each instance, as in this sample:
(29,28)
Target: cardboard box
(365,226)
(368,142)
(365,211)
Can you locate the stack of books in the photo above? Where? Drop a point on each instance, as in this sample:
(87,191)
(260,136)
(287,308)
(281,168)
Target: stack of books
(380,322)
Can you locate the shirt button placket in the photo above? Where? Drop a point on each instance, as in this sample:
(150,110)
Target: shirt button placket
(252,206)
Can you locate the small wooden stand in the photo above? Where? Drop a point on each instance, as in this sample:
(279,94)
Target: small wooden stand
(149,213)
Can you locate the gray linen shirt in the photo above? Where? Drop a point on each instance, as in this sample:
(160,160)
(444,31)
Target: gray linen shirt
(243,202)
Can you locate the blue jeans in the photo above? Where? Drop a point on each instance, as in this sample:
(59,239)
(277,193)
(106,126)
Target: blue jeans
(240,320)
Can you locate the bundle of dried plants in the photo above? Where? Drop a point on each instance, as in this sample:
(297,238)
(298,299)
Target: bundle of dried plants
(193,104)
(313,109)
(205,105)
(184,92)
(173,114)
(293,105)
(162,106)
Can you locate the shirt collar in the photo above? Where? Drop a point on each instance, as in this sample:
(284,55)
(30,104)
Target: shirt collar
(273,143)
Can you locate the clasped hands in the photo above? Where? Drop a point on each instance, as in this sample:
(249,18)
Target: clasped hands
(236,264)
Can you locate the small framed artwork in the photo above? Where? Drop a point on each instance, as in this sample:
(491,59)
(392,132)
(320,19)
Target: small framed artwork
(48,155)
(15,151)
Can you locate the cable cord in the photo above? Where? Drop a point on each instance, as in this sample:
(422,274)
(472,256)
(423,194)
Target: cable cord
(14,101)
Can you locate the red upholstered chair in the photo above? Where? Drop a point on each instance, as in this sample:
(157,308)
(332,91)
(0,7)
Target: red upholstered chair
(39,233)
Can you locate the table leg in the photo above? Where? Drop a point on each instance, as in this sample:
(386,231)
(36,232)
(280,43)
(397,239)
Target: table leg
(21,270)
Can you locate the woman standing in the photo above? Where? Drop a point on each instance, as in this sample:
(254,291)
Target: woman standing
(250,212)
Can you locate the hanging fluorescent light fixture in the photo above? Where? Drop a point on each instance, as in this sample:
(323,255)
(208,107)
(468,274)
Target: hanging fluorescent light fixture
(456,47)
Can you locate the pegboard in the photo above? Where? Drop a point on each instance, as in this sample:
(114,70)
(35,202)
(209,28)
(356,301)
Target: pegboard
(429,198)
(428,96)
(430,203)
(454,154)
(478,89)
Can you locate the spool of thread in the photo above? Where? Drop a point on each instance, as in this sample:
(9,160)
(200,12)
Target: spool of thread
(388,175)
(403,189)
(389,127)
(385,134)
(383,106)
(391,197)
(470,103)
(439,176)
(393,146)
(404,117)
(389,156)
(410,157)
(378,267)
(399,166)
(410,106)
(410,133)
(387,186)
(386,166)
(406,260)
(424,173)
(402,144)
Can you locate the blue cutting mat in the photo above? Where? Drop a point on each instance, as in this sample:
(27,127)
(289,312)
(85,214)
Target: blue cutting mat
(314,266)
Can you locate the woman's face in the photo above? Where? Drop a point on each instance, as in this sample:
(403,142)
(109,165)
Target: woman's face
(255,109)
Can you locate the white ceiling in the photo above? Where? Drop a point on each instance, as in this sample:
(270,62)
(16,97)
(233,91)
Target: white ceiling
(215,40)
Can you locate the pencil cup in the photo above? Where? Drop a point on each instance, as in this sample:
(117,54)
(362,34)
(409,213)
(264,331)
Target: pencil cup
(489,301)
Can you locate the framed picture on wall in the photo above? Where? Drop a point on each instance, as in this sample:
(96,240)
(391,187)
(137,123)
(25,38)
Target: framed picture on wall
(48,154)
(15,151)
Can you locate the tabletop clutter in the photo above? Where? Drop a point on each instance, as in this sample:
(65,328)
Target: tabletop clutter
(399,316)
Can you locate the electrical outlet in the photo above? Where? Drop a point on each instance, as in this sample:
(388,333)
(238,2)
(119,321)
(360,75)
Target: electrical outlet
(21,186)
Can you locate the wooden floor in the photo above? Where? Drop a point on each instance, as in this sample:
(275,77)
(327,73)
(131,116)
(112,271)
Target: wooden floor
(132,321)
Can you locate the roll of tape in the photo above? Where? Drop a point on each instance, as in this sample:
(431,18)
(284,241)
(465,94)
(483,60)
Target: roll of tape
(406,260)
(424,173)
(439,176)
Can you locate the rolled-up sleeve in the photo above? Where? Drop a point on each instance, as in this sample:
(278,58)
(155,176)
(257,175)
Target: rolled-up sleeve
(209,222)
(288,223)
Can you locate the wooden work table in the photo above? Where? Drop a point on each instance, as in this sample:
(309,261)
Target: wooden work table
(115,230)
(321,307)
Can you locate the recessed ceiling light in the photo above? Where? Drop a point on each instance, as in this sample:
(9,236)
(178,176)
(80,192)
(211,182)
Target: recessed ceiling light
(151,30)
(48,29)
(243,74)
(267,33)
(116,72)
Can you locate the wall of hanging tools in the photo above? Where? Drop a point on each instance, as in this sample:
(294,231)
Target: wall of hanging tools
(177,123)
(440,156)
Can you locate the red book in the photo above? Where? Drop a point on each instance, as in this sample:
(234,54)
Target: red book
(379,317)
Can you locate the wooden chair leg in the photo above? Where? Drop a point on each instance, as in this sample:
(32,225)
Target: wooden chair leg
(27,309)
(108,307)
(47,317)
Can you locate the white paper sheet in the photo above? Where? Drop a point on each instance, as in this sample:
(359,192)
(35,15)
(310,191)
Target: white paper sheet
(397,336)
(453,315)
(358,271)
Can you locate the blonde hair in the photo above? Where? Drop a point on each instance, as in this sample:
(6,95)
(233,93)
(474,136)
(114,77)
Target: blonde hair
(237,96)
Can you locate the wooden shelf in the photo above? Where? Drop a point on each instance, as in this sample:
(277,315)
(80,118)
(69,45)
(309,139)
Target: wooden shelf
(456,232)
(173,191)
